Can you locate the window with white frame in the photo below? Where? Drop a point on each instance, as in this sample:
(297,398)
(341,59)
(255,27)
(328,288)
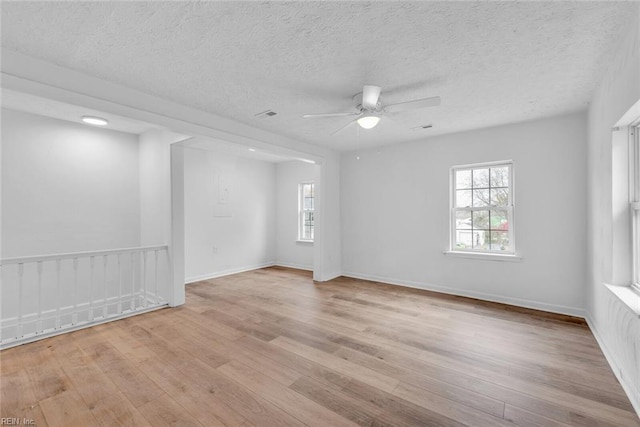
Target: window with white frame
(482,208)
(306,211)
(634,198)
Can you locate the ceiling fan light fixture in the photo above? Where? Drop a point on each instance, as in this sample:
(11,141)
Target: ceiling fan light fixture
(368,121)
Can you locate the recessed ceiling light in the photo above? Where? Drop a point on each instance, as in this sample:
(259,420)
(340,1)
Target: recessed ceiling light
(252,149)
(97,121)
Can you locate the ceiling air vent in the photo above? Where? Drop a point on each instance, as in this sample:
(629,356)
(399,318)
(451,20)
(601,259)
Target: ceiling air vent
(422,127)
(267,113)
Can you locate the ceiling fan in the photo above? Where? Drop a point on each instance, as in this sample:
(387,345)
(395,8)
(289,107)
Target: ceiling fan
(370,107)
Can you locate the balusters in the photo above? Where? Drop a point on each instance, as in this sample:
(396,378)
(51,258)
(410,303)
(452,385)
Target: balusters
(74,315)
(58,320)
(119,284)
(105,260)
(155,278)
(133,282)
(144,279)
(59,304)
(39,318)
(20,285)
(91,269)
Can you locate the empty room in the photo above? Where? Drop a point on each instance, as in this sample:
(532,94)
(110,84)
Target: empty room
(320,213)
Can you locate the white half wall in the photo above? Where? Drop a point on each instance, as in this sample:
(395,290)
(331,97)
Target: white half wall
(230,210)
(67,187)
(395,214)
(614,324)
(289,251)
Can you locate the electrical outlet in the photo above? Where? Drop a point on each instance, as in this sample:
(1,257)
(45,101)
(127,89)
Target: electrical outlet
(215,250)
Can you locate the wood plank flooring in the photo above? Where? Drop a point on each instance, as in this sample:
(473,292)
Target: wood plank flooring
(272,348)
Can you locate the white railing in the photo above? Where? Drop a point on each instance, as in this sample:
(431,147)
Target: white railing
(47,295)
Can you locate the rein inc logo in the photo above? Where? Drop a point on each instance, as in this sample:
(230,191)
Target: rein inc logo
(6,421)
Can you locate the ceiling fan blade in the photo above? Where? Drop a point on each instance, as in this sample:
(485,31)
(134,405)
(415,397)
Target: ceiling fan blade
(413,105)
(344,127)
(307,116)
(370,95)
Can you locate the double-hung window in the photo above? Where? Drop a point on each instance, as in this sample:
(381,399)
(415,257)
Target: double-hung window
(482,208)
(306,211)
(634,198)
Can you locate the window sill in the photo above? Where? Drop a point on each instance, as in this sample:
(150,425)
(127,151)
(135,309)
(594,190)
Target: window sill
(308,242)
(485,256)
(628,296)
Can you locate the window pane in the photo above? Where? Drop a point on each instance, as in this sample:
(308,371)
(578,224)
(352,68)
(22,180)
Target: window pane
(481,178)
(481,219)
(308,233)
(463,198)
(499,196)
(308,203)
(499,241)
(308,219)
(463,220)
(307,226)
(463,179)
(464,239)
(500,177)
(308,190)
(499,220)
(635,254)
(480,239)
(481,198)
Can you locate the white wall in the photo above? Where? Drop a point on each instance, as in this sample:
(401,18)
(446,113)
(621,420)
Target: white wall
(290,252)
(67,187)
(1,171)
(614,324)
(328,239)
(30,75)
(395,214)
(222,237)
(155,184)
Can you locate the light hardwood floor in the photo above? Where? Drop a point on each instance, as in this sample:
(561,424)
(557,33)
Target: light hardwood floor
(272,348)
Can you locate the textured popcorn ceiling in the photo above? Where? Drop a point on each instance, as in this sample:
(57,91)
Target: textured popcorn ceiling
(490,62)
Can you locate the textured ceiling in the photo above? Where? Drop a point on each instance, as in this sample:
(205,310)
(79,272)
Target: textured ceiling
(491,62)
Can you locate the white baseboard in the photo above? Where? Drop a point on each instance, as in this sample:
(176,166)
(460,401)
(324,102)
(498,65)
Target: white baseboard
(553,308)
(632,392)
(228,272)
(331,276)
(194,279)
(294,265)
